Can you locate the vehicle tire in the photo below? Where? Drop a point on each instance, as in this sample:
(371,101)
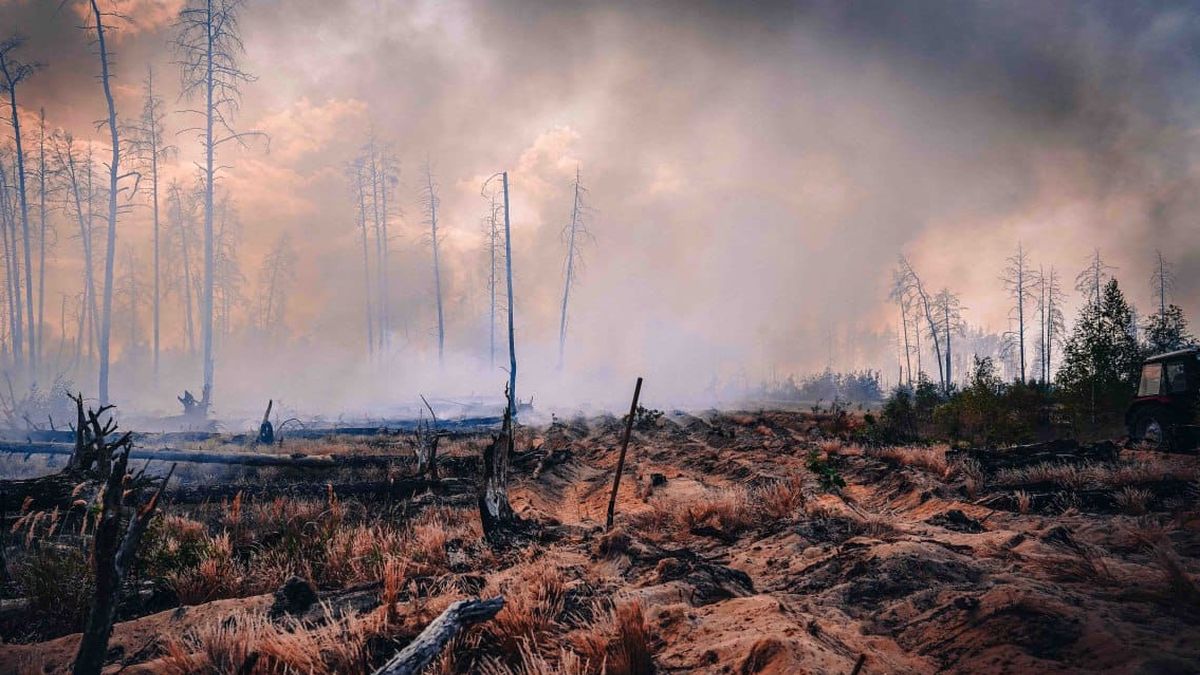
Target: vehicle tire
(1150,428)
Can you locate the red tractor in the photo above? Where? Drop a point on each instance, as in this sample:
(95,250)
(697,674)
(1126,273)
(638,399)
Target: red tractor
(1163,413)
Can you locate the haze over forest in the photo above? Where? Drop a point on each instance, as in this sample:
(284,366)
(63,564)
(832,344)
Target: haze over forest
(752,174)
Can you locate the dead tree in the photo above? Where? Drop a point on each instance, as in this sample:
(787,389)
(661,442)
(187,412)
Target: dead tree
(114,550)
(508,273)
(12,268)
(1053,323)
(495,253)
(229,280)
(912,285)
(574,234)
(43,232)
(1163,281)
(74,173)
(150,148)
(903,299)
(358,176)
(14,72)
(425,647)
(495,512)
(277,271)
(948,310)
(1018,281)
(114,175)
(179,252)
(209,48)
(1091,279)
(431,201)
(427,444)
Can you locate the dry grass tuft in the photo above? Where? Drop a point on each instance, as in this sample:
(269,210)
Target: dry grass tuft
(1133,501)
(1024,501)
(782,499)
(931,458)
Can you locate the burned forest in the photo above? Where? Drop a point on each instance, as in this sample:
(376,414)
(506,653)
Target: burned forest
(532,338)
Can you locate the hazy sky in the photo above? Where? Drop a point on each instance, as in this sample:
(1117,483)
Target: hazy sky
(755,168)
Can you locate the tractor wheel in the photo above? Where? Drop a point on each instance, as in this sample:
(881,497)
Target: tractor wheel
(1150,428)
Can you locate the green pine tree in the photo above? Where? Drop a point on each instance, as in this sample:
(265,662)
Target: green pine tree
(1102,359)
(1167,331)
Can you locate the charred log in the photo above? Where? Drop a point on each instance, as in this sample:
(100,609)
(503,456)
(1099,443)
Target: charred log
(425,648)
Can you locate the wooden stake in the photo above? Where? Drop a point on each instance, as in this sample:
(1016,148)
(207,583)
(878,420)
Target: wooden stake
(612,500)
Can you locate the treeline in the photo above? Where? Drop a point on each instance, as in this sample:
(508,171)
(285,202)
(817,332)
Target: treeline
(1095,381)
(860,386)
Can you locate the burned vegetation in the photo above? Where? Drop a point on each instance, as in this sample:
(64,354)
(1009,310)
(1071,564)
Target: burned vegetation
(740,542)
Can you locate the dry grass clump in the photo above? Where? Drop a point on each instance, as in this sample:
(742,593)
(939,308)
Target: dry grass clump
(1024,501)
(250,549)
(252,643)
(782,499)
(1080,476)
(835,446)
(931,458)
(727,512)
(1133,501)
(533,607)
(616,642)
(972,475)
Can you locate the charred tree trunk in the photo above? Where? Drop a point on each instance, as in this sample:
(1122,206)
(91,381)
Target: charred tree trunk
(495,512)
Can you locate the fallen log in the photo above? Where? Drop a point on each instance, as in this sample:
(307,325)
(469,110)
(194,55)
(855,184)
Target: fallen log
(455,464)
(463,426)
(399,489)
(424,649)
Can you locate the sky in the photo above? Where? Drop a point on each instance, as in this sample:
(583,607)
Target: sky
(753,172)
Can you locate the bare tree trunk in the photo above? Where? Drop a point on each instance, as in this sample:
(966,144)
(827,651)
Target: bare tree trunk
(113,169)
(907,352)
(154,150)
(11,278)
(437,270)
(41,302)
(492,234)
(377,221)
(362,223)
(570,271)
(512,338)
(385,321)
(24,204)
(209,171)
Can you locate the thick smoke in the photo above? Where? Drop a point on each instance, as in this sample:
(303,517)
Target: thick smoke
(754,170)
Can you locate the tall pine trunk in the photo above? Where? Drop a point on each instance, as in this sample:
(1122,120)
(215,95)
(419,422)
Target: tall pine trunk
(41,301)
(512,338)
(570,271)
(206,318)
(437,269)
(113,168)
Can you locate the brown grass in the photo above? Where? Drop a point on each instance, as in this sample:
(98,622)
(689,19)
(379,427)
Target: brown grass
(931,458)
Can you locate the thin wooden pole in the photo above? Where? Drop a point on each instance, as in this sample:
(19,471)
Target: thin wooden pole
(612,500)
